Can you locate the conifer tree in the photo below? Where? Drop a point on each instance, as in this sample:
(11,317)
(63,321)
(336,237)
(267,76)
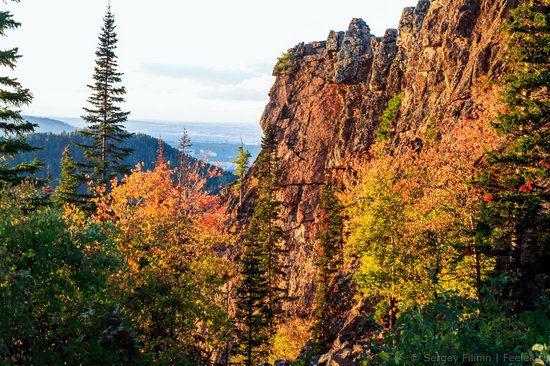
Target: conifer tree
(67,190)
(184,144)
(331,241)
(243,164)
(515,220)
(104,117)
(262,291)
(267,211)
(252,293)
(183,176)
(12,126)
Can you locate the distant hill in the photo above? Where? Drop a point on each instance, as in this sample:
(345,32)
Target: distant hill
(49,125)
(145,151)
(211,132)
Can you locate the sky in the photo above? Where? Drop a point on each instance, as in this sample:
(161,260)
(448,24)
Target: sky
(203,60)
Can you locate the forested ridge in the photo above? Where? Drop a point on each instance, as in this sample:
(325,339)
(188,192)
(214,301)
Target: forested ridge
(144,146)
(430,245)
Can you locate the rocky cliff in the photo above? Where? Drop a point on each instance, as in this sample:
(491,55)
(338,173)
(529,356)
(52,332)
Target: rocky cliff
(327,101)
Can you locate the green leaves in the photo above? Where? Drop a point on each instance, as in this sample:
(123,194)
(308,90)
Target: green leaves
(460,329)
(67,190)
(331,257)
(388,118)
(56,300)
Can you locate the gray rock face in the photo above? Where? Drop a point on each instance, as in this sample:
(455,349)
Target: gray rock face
(385,50)
(354,53)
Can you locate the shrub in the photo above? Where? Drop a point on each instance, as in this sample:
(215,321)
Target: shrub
(456,328)
(290,339)
(56,303)
(285,63)
(388,118)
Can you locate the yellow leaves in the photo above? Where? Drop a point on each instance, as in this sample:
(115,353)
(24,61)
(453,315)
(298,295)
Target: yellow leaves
(134,266)
(75,217)
(290,339)
(254,182)
(409,211)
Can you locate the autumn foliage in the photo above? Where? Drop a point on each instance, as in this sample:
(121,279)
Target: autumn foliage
(168,233)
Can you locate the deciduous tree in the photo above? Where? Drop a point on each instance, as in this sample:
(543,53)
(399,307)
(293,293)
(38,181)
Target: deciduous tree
(168,235)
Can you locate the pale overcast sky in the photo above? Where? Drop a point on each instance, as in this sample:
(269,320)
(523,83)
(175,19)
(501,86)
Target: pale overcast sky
(208,60)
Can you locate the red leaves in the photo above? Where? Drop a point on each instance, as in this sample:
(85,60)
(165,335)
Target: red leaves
(467,251)
(488,198)
(527,187)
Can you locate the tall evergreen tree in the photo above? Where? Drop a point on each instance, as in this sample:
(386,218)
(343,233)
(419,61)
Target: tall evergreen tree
(515,218)
(184,144)
(12,126)
(104,117)
(252,293)
(331,242)
(267,213)
(262,291)
(67,190)
(243,164)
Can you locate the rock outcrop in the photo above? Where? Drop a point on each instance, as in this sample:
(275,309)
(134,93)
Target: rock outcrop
(326,107)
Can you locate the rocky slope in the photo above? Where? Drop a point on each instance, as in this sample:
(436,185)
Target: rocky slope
(326,105)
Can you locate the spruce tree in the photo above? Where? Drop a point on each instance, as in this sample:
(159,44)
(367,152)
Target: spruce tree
(67,190)
(183,176)
(12,126)
(184,144)
(243,164)
(267,212)
(262,291)
(252,292)
(104,117)
(515,220)
(331,241)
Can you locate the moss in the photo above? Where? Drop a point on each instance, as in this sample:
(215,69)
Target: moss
(388,118)
(431,132)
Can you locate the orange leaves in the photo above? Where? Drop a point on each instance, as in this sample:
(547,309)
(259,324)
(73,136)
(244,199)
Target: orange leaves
(153,212)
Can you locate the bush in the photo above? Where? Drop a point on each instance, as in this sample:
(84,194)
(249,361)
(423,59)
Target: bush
(388,118)
(285,63)
(462,330)
(290,339)
(55,303)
